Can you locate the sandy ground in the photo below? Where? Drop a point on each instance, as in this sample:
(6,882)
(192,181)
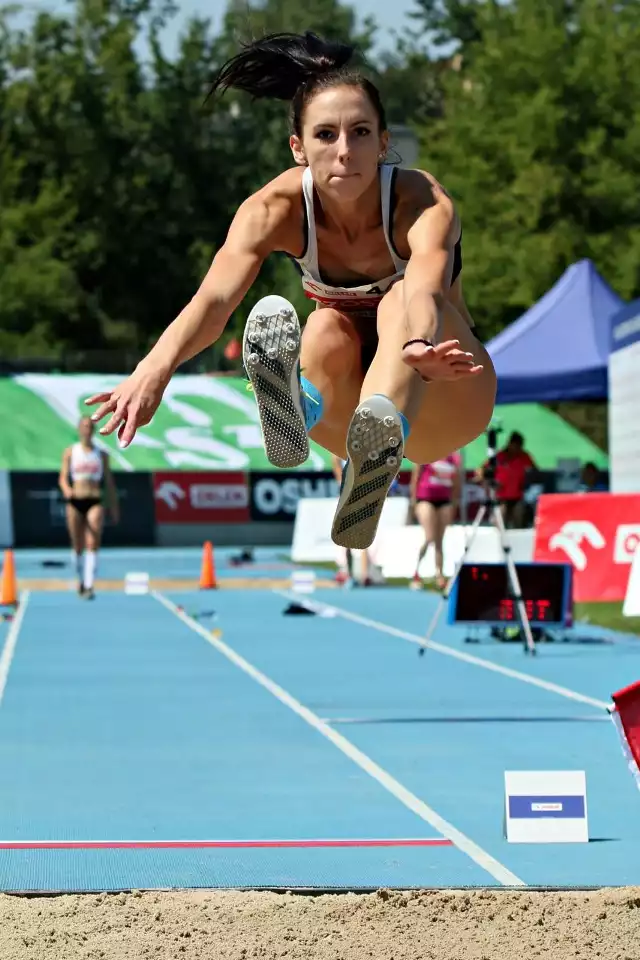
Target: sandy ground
(387,925)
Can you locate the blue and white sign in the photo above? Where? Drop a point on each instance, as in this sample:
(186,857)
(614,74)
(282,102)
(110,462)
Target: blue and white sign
(136,584)
(303,581)
(548,806)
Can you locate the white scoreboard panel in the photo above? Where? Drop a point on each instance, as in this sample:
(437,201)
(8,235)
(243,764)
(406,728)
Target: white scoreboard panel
(624,401)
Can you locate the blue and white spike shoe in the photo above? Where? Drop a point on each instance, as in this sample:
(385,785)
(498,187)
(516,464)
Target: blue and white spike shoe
(375,448)
(271,356)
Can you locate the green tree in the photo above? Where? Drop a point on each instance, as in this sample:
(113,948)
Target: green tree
(539,144)
(117,181)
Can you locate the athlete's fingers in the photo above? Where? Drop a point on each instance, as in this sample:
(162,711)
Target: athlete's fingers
(465,371)
(127,430)
(446,347)
(98,398)
(458,356)
(462,365)
(119,414)
(112,424)
(126,433)
(106,408)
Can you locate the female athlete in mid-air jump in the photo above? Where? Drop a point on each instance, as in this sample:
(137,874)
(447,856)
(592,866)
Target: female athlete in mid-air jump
(391,366)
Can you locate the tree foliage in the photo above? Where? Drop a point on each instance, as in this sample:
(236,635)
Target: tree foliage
(118,181)
(539,143)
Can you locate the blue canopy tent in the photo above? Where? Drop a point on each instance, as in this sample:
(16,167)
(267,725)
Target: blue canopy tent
(558,350)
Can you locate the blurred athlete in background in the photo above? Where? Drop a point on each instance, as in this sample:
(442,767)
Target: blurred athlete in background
(85,477)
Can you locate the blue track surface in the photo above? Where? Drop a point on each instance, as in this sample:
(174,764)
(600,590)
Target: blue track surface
(167,563)
(120,723)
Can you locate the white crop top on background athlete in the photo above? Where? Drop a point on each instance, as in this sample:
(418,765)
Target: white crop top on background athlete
(364,298)
(85,465)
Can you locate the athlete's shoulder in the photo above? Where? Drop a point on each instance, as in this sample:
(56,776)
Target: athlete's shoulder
(280,193)
(418,192)
(420,188)
(275,207)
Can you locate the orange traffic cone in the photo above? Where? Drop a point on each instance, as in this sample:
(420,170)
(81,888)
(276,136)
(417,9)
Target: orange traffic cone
(9,590)
(208,570)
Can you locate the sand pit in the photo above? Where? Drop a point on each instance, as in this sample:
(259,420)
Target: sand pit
(387,925)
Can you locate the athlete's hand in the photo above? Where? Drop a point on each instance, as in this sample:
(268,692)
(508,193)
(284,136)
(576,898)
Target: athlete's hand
(446,361)
(132,404)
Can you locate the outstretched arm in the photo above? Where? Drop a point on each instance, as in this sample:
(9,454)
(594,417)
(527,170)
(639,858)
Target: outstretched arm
(427,276)
(233,270)
(427,281)
(253,235)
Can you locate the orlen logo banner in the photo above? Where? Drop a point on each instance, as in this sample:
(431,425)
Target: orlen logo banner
(219,497)
(597,533)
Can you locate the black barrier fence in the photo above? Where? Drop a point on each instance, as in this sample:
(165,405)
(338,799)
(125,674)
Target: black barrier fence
(39,511)
(274,495)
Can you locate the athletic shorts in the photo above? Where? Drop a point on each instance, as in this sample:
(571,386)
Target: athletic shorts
(366,326)
(434,503)
(84,504)
(366,321)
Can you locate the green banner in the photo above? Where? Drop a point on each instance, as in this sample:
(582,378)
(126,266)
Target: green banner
(211,423)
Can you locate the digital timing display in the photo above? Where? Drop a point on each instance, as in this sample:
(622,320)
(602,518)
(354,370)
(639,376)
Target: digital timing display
(483,593)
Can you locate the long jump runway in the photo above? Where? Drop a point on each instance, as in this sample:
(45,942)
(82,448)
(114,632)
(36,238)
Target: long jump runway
(192,739)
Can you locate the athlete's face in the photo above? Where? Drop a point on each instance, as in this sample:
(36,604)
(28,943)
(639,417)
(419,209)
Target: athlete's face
(341,141)
(85,429)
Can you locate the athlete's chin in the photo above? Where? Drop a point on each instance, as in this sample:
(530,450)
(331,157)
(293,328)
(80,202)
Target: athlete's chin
(349,185)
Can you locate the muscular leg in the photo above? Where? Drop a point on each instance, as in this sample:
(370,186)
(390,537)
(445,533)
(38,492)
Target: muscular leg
(93,537)
(444,517)
(426,517)
(330,360)
(443,416)
(432,420)
(75,528)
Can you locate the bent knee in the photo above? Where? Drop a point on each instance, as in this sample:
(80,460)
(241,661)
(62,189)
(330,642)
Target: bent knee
(330,340)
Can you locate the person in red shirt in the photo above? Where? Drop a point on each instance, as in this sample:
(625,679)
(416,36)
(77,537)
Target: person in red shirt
(512,464)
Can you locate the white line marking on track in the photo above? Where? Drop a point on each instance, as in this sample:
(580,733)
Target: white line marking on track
(413,803)
(9,648)
(456,654)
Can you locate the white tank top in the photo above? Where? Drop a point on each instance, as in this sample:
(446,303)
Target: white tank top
(85,464)
(361,299)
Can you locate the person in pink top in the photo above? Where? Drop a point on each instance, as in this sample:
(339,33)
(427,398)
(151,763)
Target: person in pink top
(434,497)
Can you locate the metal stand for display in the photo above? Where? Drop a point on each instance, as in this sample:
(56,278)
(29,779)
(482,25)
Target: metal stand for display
(492,508)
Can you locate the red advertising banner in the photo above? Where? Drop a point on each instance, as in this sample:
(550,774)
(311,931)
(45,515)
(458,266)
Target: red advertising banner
(597,533)
(198,497)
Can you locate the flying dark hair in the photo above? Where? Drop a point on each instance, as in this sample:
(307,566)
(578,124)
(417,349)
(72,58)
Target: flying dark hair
(294,67)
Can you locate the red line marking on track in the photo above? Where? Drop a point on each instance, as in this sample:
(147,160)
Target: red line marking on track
(198,844)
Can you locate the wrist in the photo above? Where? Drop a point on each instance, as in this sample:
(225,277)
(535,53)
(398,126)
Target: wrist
(423,340)
(424,315)
(157,364)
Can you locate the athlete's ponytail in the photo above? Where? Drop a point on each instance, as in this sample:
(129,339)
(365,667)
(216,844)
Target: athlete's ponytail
(290,66)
